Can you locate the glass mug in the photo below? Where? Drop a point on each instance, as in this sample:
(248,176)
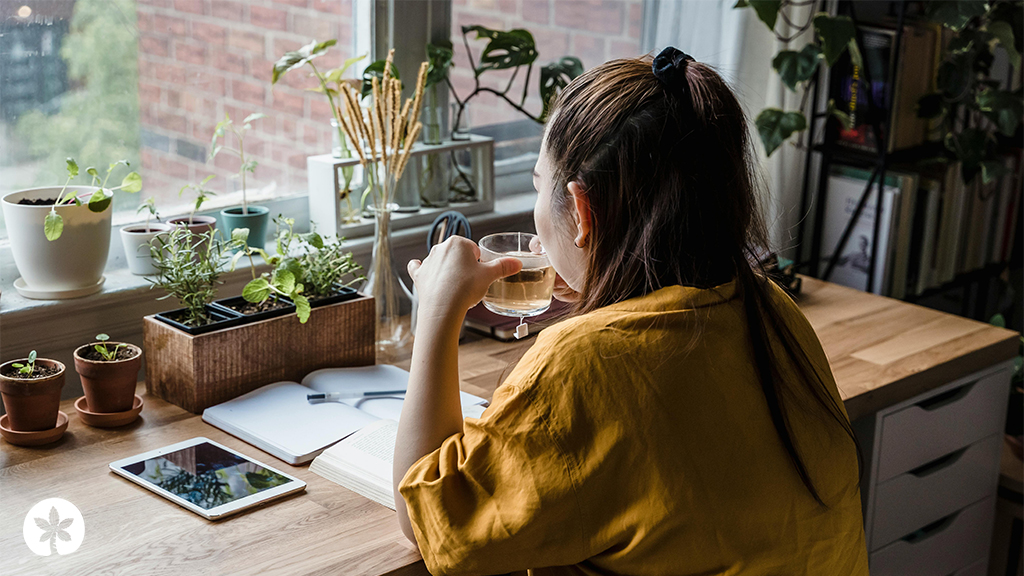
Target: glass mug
(528,292)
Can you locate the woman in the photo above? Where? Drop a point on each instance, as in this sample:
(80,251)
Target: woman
(685,420)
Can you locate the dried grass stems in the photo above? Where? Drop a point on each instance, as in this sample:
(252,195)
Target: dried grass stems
(388,127)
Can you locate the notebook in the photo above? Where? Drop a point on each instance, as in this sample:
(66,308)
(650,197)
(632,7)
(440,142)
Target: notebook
(278,419)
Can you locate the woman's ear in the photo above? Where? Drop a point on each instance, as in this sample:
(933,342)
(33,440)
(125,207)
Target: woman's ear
(582,205)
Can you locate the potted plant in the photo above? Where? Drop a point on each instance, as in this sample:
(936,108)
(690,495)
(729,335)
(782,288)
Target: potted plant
(321,263)
(31,392)
(189,268)
(267,295)
(60,236)
(197,224)
(109,372)
(254,218)
(136,239)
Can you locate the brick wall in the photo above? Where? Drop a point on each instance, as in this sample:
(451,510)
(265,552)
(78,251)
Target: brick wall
(594,31)
(200,59)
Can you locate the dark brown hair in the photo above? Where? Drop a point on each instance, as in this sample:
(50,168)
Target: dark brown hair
(673,201)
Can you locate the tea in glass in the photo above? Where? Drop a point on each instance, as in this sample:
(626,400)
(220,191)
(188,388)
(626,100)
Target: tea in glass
(528,292)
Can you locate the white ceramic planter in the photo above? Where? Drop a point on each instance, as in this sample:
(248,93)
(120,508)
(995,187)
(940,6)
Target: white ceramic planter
(68,267)
(136,239)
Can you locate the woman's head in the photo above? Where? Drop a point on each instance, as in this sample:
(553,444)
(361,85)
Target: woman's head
(642,185)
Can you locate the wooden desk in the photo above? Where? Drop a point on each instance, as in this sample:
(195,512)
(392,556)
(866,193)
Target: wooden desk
(882,351)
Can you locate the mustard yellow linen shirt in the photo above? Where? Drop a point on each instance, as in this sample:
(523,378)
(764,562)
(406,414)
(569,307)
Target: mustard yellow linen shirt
(636,440)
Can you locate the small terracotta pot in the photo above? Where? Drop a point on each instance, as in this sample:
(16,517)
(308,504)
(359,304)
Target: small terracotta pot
(109,386)
(32,404)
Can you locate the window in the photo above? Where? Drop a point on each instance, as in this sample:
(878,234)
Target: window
(148,80)
(592,30)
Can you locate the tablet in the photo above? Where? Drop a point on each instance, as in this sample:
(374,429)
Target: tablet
(207,478)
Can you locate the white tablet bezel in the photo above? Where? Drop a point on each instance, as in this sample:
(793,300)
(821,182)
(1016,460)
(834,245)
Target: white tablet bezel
(217,512)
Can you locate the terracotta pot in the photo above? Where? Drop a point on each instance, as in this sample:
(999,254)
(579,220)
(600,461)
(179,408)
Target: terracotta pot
(109,386)
(32,404)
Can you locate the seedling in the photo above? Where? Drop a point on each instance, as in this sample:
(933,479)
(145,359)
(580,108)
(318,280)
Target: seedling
(202,195)
(53,224)
(106,353)
(149,207)
(189,266)
(27,369)
(248,165)
(280,282)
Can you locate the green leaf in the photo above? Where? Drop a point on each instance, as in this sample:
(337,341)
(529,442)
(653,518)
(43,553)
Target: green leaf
(992,170)
(335,74)
(775,126)
(955,14)
(554,77)
(971,146)
(32,357)
(835,33)
(855,56)
(132,183)
(207,179)
(106,354)
(93,172)
(767,11)
(250,166)
(302,308)
(240,235)
(1003,32)
(1004,108)
(313,239)
(439,60)
(298,58)
(102,337)
(376,69)
(17,365)
(843,117)
(256,290)
(53,226)
(741,4)
(284,281)
(505,50)
(954,77)
(99,201)
(72,167)
(253,117)
(796,67)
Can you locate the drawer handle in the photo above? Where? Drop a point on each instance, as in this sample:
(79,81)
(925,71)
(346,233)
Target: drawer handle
(939,463)
(932,529)
(946,398)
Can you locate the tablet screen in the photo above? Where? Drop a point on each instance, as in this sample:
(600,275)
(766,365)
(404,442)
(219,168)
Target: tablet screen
(206,475)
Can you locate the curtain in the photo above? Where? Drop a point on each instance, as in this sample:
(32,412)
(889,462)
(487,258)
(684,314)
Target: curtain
(740,47)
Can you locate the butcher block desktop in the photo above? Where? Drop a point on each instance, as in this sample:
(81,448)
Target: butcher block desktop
(927,391)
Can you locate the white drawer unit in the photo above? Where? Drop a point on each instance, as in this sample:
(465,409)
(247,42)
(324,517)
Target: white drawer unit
(931,470)
(941,548)
(930,492)
(941,423)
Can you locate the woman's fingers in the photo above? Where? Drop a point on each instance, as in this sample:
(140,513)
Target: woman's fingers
(503,267)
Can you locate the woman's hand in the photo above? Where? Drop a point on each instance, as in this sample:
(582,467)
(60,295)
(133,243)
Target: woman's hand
(451,279)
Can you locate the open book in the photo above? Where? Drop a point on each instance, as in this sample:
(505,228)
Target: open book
(278,419)
(362,462)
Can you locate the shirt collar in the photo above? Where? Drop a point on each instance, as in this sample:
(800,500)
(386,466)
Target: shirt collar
(677,298)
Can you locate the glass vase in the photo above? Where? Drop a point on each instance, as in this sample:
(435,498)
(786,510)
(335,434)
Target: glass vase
(392,299)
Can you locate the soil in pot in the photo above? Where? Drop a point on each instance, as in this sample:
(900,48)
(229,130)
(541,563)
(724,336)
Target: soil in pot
(32,402)
(340,294)
(109,385)
(249,308)
(218,320)
(37,201)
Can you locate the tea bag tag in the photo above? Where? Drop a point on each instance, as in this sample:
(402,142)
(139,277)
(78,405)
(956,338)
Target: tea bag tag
(522,330)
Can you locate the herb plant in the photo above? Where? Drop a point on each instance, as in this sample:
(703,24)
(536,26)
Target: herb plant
(320,264)
(202,195)
(107,354)
(248,164)
(305,56)
(27,369)
(189,267)
(149,207)
(279,282)
(53,224)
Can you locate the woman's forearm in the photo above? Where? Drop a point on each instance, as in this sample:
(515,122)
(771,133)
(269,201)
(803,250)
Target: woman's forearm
(432,410)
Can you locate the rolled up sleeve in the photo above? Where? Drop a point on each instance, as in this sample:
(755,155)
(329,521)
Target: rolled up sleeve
(497,498)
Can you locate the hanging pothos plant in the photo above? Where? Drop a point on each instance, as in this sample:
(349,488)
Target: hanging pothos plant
(962,81)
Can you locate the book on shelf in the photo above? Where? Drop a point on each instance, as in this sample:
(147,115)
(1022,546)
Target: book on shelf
(929,206)
(280,420)
(845,187)
(861,92)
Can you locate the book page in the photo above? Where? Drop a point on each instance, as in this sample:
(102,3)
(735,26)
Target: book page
(370,450)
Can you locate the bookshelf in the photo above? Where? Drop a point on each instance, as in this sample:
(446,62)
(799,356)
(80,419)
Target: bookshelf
(880,222)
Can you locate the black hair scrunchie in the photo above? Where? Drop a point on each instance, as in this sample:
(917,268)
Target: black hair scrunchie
(670,68)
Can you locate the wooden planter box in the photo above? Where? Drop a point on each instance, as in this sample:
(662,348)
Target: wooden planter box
(196,372)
